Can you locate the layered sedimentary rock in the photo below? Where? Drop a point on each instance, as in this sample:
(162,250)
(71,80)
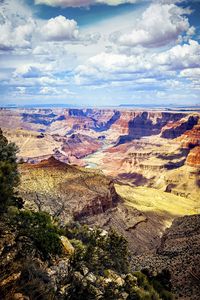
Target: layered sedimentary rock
(152,148)
(193,158)
(78,145)
(148,123)
(175,129)
(191,138)
(72,193)
(179,254)
(181,245)
(65,191)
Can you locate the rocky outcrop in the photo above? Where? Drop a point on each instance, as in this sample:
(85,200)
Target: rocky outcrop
(24,273)
(78,145)
(181,244)
(65,191)
(191,138)
(178,253)
(148,123)
(137,147)
(176,129)
(193,158)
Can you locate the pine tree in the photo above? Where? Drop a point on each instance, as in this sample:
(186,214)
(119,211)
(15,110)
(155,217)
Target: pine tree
(9,176)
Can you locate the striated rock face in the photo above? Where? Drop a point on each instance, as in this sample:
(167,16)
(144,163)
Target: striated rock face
(78,145)
(172,131)
(65,191)
(181,243)
(183,232)
(193,158)
(191,138)
(151,148)
(178,253)
(148,123)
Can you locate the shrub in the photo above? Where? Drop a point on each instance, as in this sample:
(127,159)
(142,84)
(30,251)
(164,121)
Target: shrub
(38,226)
(9,176)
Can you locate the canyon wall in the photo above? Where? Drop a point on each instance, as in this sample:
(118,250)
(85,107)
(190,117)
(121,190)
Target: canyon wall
(153,148)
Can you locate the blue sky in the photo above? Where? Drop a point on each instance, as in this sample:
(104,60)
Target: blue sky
(100,52)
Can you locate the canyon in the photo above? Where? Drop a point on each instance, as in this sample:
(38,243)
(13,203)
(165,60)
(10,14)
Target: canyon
(81,162)
(136,171)
(157,149)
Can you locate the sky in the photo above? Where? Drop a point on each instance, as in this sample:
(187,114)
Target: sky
(100,52)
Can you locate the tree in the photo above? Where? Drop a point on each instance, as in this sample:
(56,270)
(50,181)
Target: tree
(39,228)
(9,176)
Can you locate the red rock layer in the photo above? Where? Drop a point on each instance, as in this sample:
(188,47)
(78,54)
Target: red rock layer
(193,158)
(191,138)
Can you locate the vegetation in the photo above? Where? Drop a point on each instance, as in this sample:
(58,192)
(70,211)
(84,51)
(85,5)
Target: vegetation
(9,176)
(99,250)
(39,228)
(98,269)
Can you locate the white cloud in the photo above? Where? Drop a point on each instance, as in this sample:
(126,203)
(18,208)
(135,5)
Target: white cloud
(60,29)
(191,73)
(81,3)
(159,25)
(12,36)
(32,70)
(47,90)
(180,56)
(121,67)
(27,71)
(21,90)
(16,25)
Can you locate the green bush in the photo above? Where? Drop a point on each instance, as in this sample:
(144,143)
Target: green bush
(101,251)
(38,226)
(9,176)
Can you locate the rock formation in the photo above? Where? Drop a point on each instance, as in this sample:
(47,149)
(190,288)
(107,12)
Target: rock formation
(179,254)
(153,148)
(66,191)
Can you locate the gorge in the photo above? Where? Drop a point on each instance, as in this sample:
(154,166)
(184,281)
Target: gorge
(135,171)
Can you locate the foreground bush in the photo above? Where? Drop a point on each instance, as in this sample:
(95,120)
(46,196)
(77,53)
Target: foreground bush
(9,176)
(39,228)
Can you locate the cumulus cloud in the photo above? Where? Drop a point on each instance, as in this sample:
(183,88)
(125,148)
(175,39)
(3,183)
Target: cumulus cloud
(27,71)
(22,31)
(180,56)
(60,29)
(191,73)
(32,70)
(47,90)
(121,67)
(12,36)
(159,25)
(16,25)
(81,3)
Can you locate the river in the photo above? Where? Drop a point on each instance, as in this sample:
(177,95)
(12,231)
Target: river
(94,160)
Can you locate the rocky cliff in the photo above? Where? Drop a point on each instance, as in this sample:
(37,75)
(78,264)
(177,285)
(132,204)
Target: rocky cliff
(148,123)
(175,129)
(179,254)
(153,148)
(65,191)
